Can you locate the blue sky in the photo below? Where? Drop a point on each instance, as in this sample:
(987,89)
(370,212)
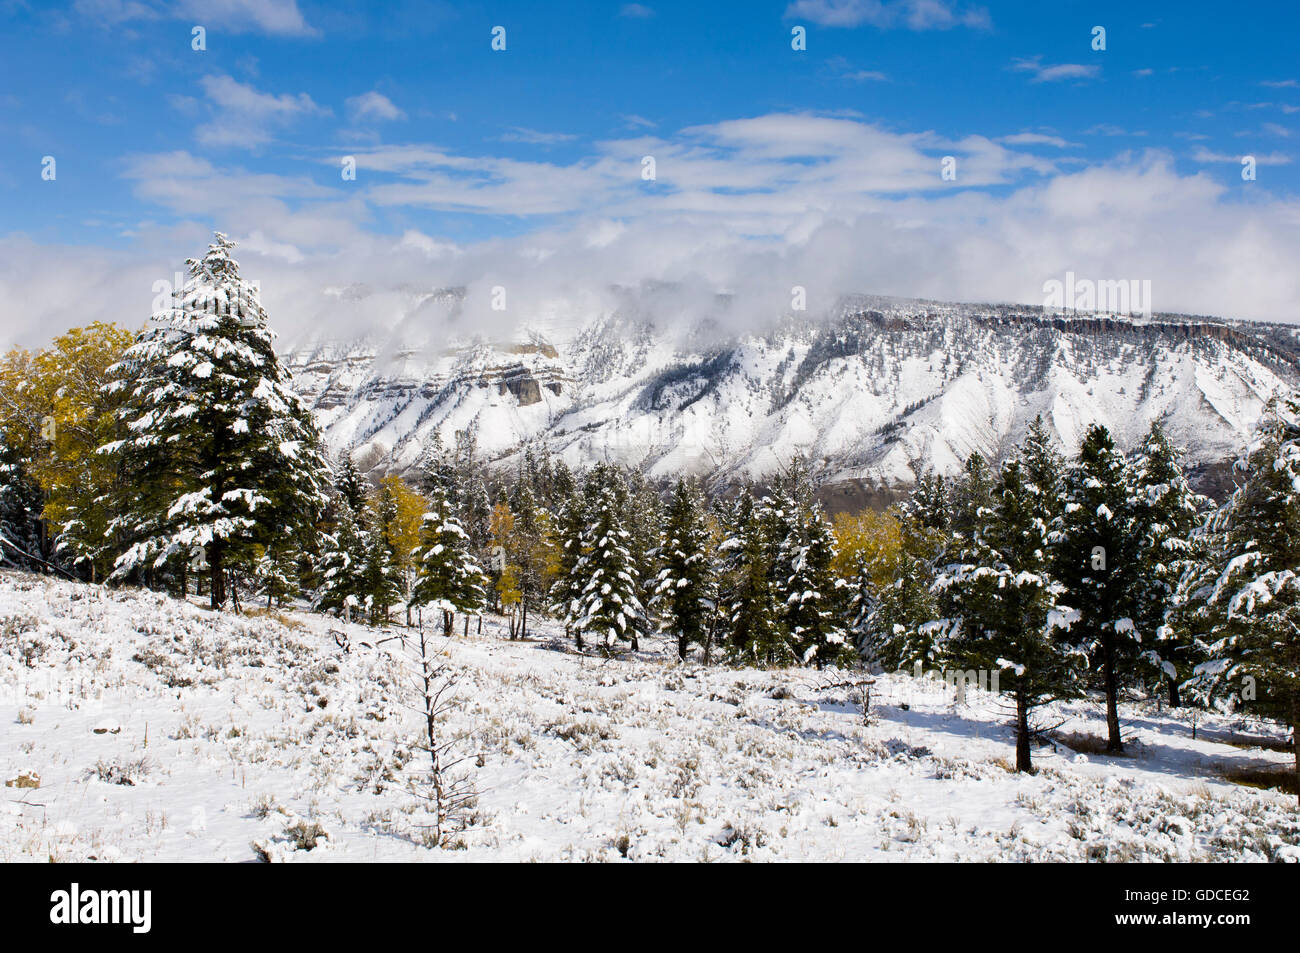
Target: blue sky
(473,162)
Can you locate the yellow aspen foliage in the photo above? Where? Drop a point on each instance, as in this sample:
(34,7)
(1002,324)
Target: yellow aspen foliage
(56,414)
(404,526)
(866,540)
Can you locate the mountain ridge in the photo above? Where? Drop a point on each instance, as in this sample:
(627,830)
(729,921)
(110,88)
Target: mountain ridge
(872,396)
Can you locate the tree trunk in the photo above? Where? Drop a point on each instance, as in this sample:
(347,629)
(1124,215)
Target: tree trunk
(1295,738)
(446,624)
(523,617)
(1024,757)
(1175,699)
(682,646)
(216,575)
(1114,743)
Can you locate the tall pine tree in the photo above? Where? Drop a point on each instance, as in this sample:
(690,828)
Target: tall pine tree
(685,589)
(1257,637)
(223,453)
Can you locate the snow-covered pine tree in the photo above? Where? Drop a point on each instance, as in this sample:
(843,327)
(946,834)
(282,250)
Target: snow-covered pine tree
(448,578)
(20,511)
(755,618)
(222,452)
(644,519)
(1257,639)
(892,619)
(1097,542)
(1044,468)
(1002,608)
(381,574)
(343,558)
(814,601)
(572,544)
(277,574)
(351,485)
(608,607)
(970,492)
(1168,515)
(929,503)
(685,590)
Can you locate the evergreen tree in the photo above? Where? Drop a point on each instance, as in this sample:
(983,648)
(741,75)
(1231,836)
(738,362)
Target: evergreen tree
(608,607)
(351,485)
(343,558)
(1044,468)
(644,518)
(814,600)
(892,618)
(20,509)
(1256,638)
(1003,613)
(449,579)
(277,574)
(222,453)
(685,589)
(752,608)
(971,493)
(1168,516)
(1098,560)
(567,585)
(929,505)
(381,573)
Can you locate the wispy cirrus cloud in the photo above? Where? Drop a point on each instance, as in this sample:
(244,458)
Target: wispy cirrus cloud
(1035,139)
(271,17)
(1207,156)
(536,137)
(1054,73)
(890,14)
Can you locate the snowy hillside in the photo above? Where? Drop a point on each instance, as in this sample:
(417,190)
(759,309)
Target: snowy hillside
(138,727)
(877,396)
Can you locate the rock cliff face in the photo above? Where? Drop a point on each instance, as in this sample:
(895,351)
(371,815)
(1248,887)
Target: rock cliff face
(873,397)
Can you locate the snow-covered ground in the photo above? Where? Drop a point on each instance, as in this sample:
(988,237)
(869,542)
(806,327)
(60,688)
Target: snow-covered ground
(158,730)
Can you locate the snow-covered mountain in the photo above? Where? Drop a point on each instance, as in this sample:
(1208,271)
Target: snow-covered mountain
(872,397)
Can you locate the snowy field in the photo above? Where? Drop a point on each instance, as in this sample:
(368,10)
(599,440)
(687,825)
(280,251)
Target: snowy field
(137,727)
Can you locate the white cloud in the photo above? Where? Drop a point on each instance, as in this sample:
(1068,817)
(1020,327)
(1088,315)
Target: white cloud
(888,14)
(636,11)
(1055,73)
(1035,139)
(534,137)
(273,17)
(245,117)
(1205,155)
(373,106)
(752,205)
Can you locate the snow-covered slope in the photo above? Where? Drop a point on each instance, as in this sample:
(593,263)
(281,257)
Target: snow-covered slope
(138,727)
(877,395)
